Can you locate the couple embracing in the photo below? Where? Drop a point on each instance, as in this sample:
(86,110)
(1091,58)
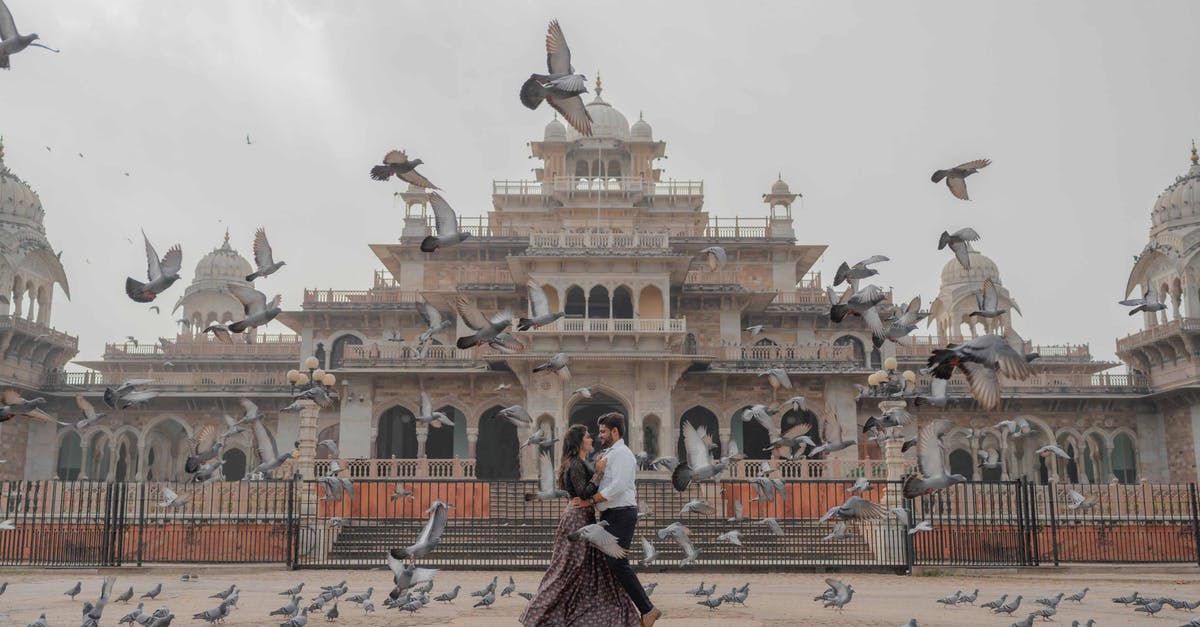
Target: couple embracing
(582,585)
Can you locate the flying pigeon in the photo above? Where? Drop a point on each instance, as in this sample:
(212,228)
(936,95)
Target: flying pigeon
(855,507)
(842,594)
(773,525)
(1149,302)
(160,273)
(548,489)
(172,499)
(956,176)
(924,525)
(862,486)
(760,413)
(981,358)
(431,533)
(397,162)
(905,323)
(263,259)
(957,241)
(989,459)
(254,303)
(435,322)
(539,305)
(12,41)
(485,329)
(778,378)
(203,447)
(716,257)
(697,506)
(839,533)
(700,464)
(1050,449)
(128,395)
(561,86)
(599,536)
(754,329)
(16,405)
(435,419)
(516,415)
(988,301)
(861,303)
(1015,428)
(938,396)
(221,332)
(857,272)
(649,553)
(932,473)
(558,364)
(404,575)
(901,515)
(1082,503)
(445,222)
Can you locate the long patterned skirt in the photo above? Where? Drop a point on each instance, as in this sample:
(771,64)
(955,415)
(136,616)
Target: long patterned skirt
(578,588)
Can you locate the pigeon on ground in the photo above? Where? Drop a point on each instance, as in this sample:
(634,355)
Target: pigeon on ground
(41,621)
(332,614)
(92,613)
(856,508)
(1051,601)
(445,222)
(698,590)
(987,301)
(528,596)
(980,359)
(160,273)
(1149,302)
(932,474)
(548,489)
(396,162)
(857,272)
(124,597)
(214,615)
(957,241)
(448,597)
(598,535)
(487,600)
(956,177)
(263,259)
(842,594)
(368,606)
(297,621)
(561,86)
(224,594)
(969,598)
(257,310)
(485,329)
(711,603)
(1078,596)
(1008,608)
(1151,608)
(510,588)
(152,593)
(951,600)
(715,257)
(431,533)
(539,304)
(1126,600)
(516,415)
(12,41)
(558,364)
(293,591)
(991,605)
(700,464)
(132,615)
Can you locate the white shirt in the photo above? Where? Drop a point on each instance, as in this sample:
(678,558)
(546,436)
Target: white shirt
(617,484)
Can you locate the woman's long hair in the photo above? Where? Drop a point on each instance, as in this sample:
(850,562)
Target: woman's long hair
(572,442)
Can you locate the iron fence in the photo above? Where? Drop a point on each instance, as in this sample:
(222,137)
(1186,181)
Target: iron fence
(492,525)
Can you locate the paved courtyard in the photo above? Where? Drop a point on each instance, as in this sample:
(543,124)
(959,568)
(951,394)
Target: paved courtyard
(775,599)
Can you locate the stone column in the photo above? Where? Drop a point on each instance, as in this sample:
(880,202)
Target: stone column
(472,437)
(140,473)
(307,438)
(892,455)
(85,458)
(422,461)
(112,463)
(1005,458)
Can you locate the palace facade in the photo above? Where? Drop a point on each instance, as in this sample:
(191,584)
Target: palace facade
(651,330)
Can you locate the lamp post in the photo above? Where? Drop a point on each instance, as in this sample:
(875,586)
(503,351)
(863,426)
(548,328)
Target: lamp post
(891,385)
(309,411)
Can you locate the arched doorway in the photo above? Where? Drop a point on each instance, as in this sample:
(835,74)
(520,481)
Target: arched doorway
(235,464)
(397,435)
(337,355)
(598,305)
(441,441)
(860,353)
(700,417)
(622,302)
(497,449)
(1124,459)
(99,456)
(70,457)
(650,303)
(166,451)
(650,430)
(962,464)
(587,410)
(126,457)
(576,305)
(752,437)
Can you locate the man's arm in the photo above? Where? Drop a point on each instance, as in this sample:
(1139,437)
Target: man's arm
(618,476)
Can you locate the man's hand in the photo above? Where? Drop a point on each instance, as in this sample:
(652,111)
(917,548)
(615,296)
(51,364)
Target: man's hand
(580,503)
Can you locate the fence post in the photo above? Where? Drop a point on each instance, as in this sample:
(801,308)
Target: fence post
(1195,518)
(141,523)
(1053,523)
(1034,522)
(291,524)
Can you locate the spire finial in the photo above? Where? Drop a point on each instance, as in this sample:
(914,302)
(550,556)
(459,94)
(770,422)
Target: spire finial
(779,176)
(1,148)
(640,115)
(599,87)
(226,244)
(1195,157)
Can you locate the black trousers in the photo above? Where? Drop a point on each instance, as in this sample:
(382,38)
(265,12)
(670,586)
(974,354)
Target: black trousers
(621,522)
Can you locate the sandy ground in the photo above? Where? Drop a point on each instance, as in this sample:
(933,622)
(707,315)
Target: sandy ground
(775,599)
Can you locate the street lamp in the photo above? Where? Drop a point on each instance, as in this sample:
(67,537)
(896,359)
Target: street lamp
(890,382)
(316,376)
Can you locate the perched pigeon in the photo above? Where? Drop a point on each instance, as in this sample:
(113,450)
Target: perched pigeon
(396,162)
(257,310)
(558,364)
(561,86)
(932,472)
(981,358)
(485,329)
(956,177)
(957,241)
(539,305)
(1149,302)
(160,273)
(445,222)
(599,536)
(263,258)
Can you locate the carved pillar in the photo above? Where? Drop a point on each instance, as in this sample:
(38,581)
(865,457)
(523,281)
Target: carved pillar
(85,459)
(140,473)
(1005,458)
(307,438)
(112,463)
(892,455)
(422,461)
(472,437)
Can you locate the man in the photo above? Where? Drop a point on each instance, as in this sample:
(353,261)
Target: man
(616,500)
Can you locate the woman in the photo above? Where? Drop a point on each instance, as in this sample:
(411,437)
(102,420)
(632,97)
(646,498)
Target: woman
(578,588)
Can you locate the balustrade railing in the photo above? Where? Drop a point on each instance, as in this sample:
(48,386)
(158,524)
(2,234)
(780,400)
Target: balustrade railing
(1157,332)
(921,345)
(488,275)
(802,296)
(318,298)
(183,380)
(283,345)
(705,277)
(1057,382)
(375,354)
(873,469)
(35,329)
(782,352)
(614,325)
(602,240)
(424,468)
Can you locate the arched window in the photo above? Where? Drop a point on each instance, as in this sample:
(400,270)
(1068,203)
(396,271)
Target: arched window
(700,417)
(576,306)
(1067,443)
(1124,459)
(235,464)
(70,457)
(650,427)
(338,354)
(497,449)
(440,444)
(860,354)
(752,438)
(650,303)
(598,306)
(805,417)
(397,436)
(614,168)
(622,302)
(1094,458)
(689,344)
(962,464)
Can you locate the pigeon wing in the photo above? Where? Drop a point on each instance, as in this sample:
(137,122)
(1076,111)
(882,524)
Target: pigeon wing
(444,219)
(205,438)
(984,384)
(910,313)
(558,55)
(546,473)
(606,542)
(991,298)
(574,112)
(262,250)
(797,431)
(395,157)
(8,27)
(430,314)
(838,587)
(693,443)
(168,493)
(871,317)
(265,441)
(89,411)
(538,301)
(873,259)
(1076,497)
(958,187)
(426,405)
(931,456)
(960,253)
(153,265)
(416,178)
(973,165)
(469,313)
(253,301)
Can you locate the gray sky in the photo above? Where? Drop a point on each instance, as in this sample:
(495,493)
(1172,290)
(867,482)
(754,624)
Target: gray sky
(1086,109)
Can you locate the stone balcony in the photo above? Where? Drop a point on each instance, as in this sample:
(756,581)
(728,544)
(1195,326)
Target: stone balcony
(1161,343)
(612,326)
(922,345)
(372,299)
(12,327)
(601,241)
(265,346)
(815,357)
(216,383)
(571,191)
(1057,384)
(431,357)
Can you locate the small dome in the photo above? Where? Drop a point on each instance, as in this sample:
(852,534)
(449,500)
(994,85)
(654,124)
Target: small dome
(780,188)
(1179,204)
(606,121)
(223,263)
(641,131)
(555,131)
(19,204)
(981,268)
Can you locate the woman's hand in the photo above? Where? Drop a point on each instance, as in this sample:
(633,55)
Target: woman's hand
(580,503)
(602,464)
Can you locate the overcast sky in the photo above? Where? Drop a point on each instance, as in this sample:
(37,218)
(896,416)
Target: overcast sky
(1086,109)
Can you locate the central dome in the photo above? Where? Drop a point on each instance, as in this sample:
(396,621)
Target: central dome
(981,268)
(606,121)
(223,263)
(19,204)
(1179,204)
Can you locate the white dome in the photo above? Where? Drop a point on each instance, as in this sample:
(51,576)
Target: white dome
(780,188)
(606,121)
(641,131)
(18,203)
(981,268)
(223,263)
(555,131)
(1179,204)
